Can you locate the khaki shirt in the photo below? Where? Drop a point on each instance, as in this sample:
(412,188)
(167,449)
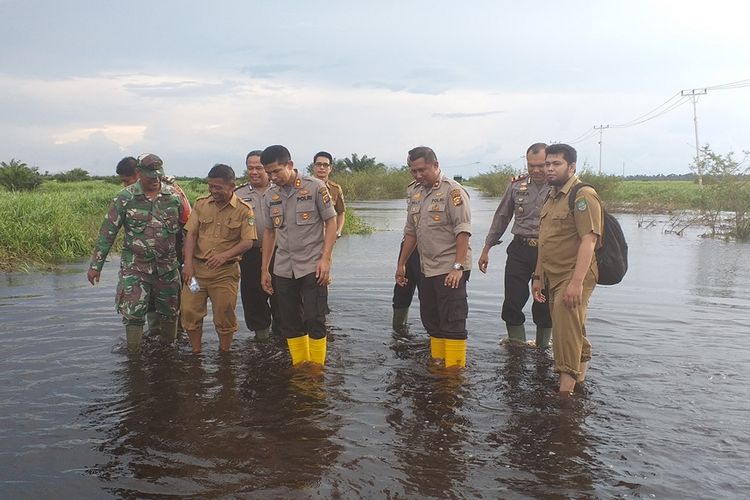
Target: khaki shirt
(220,229)
(298,214)
(436,216)
(522,201)
(561,230)
(337,197)
(254,198)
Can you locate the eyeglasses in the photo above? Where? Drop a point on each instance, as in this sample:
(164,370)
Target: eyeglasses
(322,164)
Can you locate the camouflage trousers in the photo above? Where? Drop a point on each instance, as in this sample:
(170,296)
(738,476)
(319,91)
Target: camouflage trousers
(135,290)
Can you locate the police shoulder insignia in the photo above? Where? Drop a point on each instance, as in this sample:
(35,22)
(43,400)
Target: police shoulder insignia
(581,205)
(297,182)
(456,197)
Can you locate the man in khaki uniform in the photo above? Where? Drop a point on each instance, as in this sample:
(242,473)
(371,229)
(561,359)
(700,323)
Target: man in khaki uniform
(301,221)
(438,224)
(259,307)
(220,229)
(322,166)
(567,263)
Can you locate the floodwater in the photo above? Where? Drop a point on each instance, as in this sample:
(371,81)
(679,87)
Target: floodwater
(664,414)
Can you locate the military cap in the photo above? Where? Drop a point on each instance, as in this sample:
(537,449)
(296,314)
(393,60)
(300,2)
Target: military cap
(151,165)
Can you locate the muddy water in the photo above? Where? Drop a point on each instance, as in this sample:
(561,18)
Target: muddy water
(665,413)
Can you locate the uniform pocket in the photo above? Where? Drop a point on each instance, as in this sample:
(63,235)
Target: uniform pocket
(232,229)
(306,213)
(437,216)
(138,220)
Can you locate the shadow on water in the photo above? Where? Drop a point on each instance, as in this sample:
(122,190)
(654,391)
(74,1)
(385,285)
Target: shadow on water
(213,425)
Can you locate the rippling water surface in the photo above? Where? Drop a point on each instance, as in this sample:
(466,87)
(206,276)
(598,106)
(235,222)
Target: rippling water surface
(664,415)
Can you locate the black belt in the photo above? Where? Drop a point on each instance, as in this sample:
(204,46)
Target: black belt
(531,242)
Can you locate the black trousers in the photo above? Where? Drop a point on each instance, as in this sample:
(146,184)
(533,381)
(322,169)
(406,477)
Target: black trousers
(303,304)
(444,310)
(259,307)
(403,295)
(518,270)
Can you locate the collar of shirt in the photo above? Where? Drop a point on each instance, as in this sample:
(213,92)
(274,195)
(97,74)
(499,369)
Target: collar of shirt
(232,201)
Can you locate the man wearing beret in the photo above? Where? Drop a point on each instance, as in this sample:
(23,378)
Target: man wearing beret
(150,211)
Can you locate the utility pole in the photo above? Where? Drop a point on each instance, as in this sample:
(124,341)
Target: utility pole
(600,128)
(694,93)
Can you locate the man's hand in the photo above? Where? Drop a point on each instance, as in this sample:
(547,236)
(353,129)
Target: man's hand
(536,291)
(266,283)
(484,261)
(453,279)
(323,272)
(187,272)
(93,276)
(573,294)
(401,279)
(217,260)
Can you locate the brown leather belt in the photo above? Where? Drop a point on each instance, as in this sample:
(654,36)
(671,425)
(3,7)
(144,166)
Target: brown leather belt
(531,242)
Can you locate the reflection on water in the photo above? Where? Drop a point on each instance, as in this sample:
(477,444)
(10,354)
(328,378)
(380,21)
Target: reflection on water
(664,412)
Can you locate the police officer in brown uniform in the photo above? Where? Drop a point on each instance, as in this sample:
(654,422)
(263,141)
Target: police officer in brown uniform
(438,224)
(301,221)
(567,263)
(221,228)
(521,202)
(259,307)
(322,166)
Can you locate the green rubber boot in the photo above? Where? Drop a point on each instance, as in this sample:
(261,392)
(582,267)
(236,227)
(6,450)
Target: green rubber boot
(400,316)
(516,334)
(168,331)
(543,336)
(134,336)
(263,335)
(154,323)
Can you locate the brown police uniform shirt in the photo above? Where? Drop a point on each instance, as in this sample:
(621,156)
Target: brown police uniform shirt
(561,230)
(254,198)
(522,201)
(436,216)
(219,229)
(337,197)
(298,214)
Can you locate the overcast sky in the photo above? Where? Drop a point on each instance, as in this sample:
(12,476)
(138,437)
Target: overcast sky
(84,83)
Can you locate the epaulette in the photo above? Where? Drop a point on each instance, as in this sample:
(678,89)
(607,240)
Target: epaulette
(412,183)
(242,185)
(517,178)
(169,179)
(203,197)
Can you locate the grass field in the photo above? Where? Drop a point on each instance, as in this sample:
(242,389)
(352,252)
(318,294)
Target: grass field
(59,222)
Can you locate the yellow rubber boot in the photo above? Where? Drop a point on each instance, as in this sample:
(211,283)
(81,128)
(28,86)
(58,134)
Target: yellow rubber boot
(437,348)
(318,351)
(299,348)
(455,353)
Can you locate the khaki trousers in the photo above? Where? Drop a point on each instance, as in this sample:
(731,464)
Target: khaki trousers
(569,343)
(220,286)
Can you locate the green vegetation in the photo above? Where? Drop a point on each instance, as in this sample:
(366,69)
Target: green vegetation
(495,182)
(17,176)
(59,221)
(376,184)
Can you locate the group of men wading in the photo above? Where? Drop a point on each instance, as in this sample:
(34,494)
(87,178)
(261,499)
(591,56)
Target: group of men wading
(272,238)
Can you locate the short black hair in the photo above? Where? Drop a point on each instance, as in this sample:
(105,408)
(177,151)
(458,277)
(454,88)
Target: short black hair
(254,152)
(127,166)
(276,153)
(221,171)
(422,152)
(324,154)
(535,148)
(568,152)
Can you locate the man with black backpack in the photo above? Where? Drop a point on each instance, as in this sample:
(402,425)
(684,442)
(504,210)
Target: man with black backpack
(567,264)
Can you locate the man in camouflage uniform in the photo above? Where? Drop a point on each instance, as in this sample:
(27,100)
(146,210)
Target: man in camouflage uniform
(438,224)
(322,167)
(522,202)
(127,170)
(150,211)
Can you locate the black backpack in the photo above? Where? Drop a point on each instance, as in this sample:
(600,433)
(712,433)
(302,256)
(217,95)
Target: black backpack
(612,256)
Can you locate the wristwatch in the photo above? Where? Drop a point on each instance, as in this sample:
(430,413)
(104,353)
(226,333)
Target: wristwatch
(457,266)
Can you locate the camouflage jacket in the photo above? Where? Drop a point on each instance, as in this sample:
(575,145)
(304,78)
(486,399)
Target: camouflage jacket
(150,229)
